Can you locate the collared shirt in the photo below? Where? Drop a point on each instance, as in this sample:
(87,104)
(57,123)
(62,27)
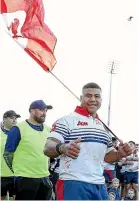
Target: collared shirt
(95,143)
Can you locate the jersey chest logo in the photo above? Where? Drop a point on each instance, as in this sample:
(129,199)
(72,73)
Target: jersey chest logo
(80,123)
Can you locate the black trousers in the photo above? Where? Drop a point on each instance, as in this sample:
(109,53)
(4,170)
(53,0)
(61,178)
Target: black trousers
(7,184)
(54,178)
(33,188)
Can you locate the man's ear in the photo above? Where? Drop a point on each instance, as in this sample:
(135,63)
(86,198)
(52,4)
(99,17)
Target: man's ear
(32,111)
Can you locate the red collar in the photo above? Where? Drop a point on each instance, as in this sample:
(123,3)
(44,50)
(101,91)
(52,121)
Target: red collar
(83,111)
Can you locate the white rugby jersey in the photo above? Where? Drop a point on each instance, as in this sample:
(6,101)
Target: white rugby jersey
(95,143)
(123,169)
(135,164)
(109,166)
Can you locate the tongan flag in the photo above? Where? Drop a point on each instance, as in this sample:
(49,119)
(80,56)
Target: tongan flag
(33,35)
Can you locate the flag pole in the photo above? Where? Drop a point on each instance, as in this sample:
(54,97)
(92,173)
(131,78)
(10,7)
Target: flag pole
(67,89)
(64,85)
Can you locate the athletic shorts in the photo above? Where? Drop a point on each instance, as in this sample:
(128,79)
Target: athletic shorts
(78,190)
(131,177)
(7,185)
(109,175)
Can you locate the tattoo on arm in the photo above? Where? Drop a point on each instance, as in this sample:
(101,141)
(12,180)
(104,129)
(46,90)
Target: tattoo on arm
(8,156)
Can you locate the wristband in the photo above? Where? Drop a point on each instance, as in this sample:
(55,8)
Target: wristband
(58,148)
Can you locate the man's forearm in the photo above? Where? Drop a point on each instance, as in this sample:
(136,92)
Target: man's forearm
(8,156)
(112,156)
(50,149)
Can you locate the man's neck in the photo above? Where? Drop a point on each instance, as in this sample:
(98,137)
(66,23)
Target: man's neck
(32,121)
(93,115)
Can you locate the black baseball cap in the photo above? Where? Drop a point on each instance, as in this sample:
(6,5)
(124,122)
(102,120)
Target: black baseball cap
(39,104)
(11,113)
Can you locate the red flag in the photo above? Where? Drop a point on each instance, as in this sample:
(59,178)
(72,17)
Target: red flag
(40,40)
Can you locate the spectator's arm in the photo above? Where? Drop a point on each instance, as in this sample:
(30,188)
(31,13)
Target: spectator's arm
(12,142)
(8,156)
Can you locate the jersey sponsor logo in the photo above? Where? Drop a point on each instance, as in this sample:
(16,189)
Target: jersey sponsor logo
(82,123)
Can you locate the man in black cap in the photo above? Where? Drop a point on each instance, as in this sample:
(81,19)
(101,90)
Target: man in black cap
(10,119)
(7,181)
(24,155)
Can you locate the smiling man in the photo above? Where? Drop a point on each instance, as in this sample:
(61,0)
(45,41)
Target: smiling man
(24,155)
(83,144)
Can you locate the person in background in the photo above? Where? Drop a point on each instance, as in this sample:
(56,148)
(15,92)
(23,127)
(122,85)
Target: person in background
(137,148)
(132,169)
(54,171)
(115,142)
(121,176)
(130,194)
(109,168)
(83,144)
(115,188)
(111,196)
(24,155)
(7,179)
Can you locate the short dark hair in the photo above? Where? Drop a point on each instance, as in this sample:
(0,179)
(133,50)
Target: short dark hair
(131,189)
(91,85)
(114,139)
(132,142)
